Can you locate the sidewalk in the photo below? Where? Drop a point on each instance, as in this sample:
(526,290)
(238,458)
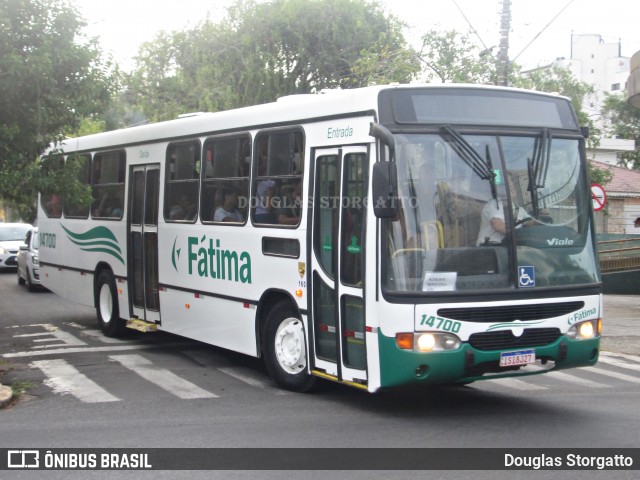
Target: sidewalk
(620,322)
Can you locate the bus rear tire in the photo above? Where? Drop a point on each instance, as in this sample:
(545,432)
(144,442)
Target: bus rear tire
(107,306)
(285,351)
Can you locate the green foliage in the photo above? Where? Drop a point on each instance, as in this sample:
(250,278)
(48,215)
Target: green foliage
(623,121)
(453,57)
(51,78)
(262,51)
(598,175)
(61,178)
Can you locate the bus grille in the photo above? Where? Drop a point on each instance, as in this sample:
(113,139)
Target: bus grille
(511,313)
(531,337)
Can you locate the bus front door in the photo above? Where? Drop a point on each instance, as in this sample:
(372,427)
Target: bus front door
(337,264)
(143,242)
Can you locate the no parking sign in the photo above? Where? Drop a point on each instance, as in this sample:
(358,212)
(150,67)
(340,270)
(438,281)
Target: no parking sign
(599,197)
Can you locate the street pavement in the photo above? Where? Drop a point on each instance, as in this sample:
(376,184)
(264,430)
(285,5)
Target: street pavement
(621,317)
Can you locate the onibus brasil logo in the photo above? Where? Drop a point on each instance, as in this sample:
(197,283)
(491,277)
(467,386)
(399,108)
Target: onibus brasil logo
(98,239)
(206,258)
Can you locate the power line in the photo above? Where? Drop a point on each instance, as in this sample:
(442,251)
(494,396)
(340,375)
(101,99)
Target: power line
(470,26)
(541,31)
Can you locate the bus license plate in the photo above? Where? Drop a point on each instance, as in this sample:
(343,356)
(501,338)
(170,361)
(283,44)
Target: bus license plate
(522,357)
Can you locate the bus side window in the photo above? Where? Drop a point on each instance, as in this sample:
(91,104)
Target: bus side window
(52,203)
(225,182)
(109,169)
(277,189)
(182,181)
(71,208)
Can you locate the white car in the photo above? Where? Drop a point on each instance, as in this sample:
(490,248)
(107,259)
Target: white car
(28,264)
(11,237)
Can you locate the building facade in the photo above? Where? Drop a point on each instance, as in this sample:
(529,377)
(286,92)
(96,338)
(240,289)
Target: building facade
(601,64)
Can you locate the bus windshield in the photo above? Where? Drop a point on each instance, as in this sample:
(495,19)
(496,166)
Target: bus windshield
(488,212)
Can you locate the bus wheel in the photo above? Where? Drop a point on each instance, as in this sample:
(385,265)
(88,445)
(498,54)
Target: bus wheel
(107,306)
(285,349)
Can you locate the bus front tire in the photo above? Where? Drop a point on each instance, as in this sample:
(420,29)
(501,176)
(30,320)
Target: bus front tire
(285,349)
(107,306)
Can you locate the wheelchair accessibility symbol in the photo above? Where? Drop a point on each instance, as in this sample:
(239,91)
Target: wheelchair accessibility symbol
(527,276)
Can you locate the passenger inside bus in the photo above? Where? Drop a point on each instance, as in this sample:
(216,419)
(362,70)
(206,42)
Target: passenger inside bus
(228,210)
(291,206)
(108,207)
(54,206)
(183,210)
(265,190)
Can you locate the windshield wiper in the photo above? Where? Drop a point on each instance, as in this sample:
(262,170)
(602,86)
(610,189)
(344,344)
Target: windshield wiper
(538,168)
(541,156)
(533,188)
(482,167)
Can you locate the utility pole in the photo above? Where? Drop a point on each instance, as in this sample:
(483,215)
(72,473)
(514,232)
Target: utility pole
(503,52)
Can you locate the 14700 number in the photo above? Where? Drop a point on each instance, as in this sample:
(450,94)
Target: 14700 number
(440,323)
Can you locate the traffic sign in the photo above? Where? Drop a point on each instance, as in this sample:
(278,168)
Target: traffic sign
(599,197)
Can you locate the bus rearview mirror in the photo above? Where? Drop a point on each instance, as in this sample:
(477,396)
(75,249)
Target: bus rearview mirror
(385,190)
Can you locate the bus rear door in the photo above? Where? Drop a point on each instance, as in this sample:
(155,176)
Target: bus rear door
(143,242)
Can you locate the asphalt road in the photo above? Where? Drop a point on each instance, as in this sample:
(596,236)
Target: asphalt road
(222,399)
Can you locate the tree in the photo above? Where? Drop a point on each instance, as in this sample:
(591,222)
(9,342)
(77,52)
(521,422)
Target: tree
(262,51)
(623,121)
(453,57)
(560,80)
(50,78)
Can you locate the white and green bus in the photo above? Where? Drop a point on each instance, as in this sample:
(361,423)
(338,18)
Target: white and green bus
(344,235)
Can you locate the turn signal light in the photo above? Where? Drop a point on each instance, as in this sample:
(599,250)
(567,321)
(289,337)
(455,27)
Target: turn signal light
(404,341)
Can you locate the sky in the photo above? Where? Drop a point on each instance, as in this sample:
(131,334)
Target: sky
(123,25)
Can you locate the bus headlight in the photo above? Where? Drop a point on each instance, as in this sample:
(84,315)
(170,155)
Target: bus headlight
(427,342)
(585,330)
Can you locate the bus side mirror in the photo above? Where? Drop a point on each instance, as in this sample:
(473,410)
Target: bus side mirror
(384,185)
(585,132)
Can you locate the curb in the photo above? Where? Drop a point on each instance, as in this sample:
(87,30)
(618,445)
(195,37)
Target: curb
(6,394)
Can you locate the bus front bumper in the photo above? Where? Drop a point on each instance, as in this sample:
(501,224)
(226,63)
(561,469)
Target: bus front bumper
(467,364)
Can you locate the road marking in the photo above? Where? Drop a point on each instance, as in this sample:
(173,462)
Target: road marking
(98,335)
(608,373)
(63,378)
(205,358)
(161,377)
(611,360)
(570,378)
(115,348)
(52,336)
(516,384)
(633,358)
(241,375)
(247,376)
